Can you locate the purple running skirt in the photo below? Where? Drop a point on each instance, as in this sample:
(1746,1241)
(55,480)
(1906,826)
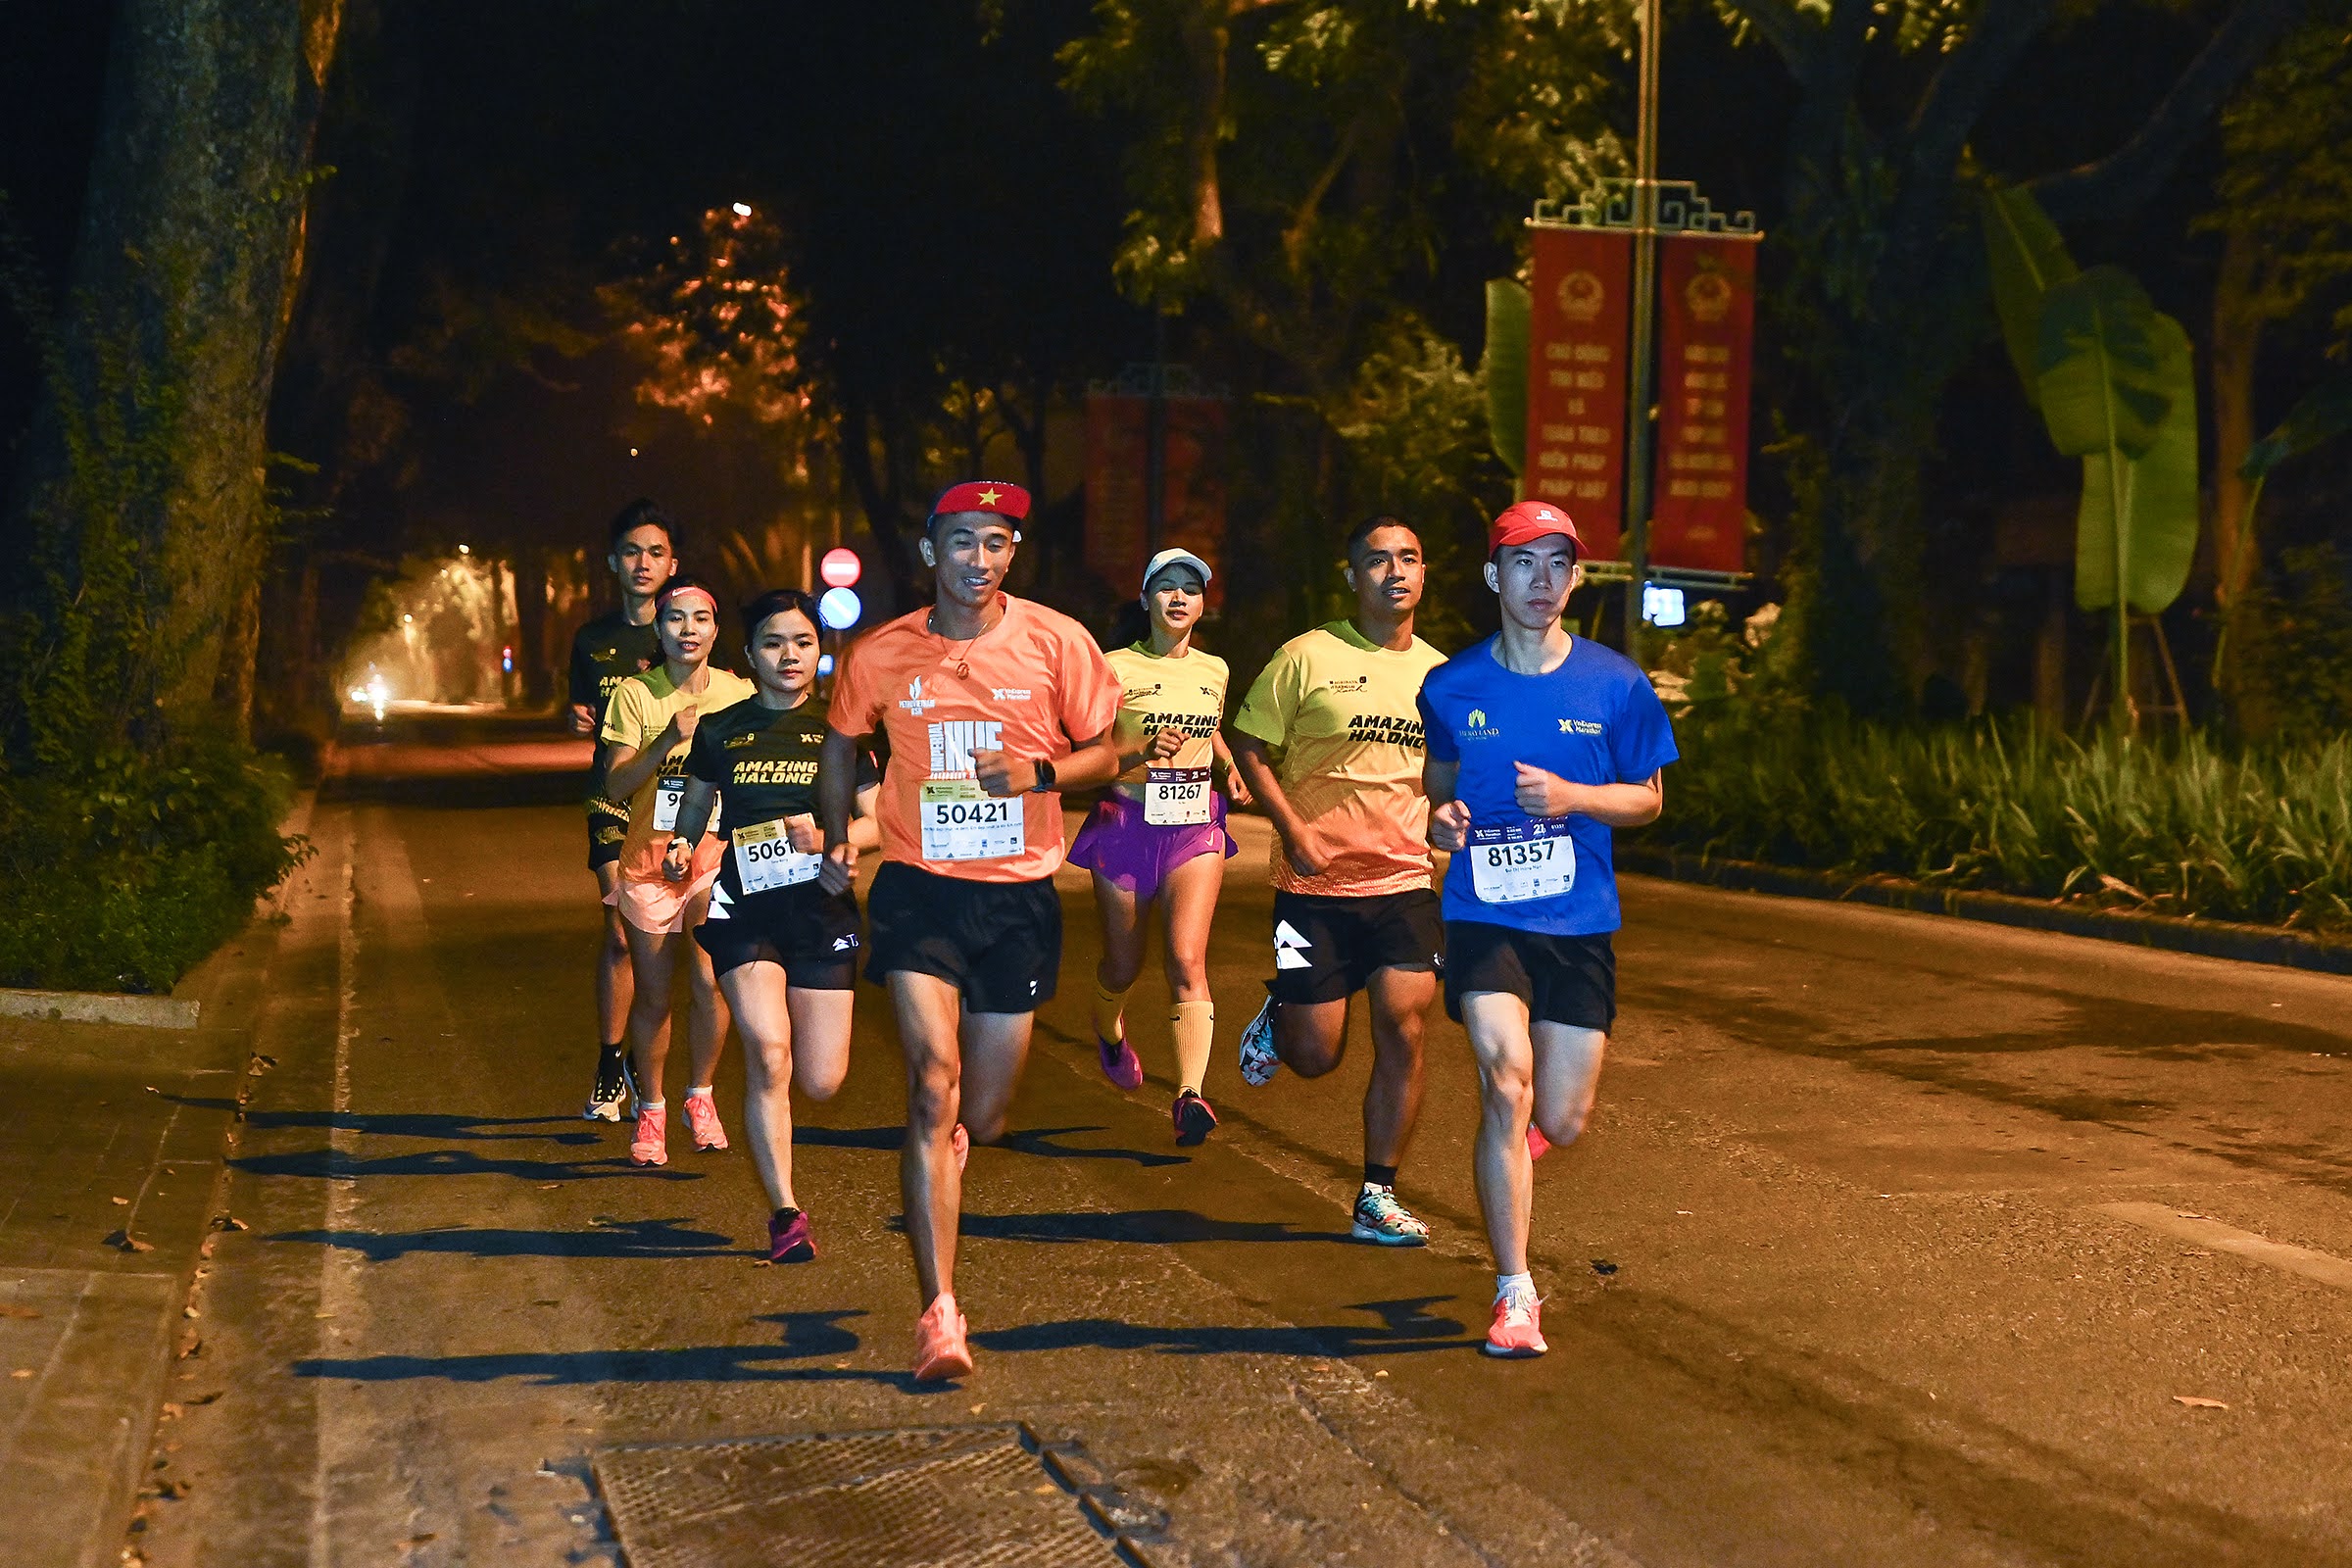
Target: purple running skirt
(1133,856)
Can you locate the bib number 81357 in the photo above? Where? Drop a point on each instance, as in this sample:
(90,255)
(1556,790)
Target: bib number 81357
(1521,860)
(961,822)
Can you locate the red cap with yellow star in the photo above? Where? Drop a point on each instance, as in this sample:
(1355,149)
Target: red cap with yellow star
(993,496)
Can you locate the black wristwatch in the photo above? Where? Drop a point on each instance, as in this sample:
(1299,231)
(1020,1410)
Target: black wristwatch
(1045,778)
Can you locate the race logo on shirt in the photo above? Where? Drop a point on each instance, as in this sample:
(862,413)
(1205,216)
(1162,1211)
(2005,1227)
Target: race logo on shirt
(1581,726)
(776,770)
(1011,694)
(915,702)
(1349,685)
(955,740)
(1480,729)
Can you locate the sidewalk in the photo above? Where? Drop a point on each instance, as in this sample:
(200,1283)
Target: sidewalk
(110,1160)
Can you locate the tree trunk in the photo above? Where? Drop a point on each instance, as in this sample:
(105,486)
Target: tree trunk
(184,277)
(2237,344)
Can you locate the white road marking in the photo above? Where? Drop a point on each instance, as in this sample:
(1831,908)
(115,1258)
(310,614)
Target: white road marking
(333,1271)
(2167,1220)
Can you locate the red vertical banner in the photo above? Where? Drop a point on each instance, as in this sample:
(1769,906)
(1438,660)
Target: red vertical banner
(1581,312)
(1706,351)
(1193,485)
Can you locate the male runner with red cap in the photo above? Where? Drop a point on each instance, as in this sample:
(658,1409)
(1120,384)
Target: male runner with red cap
(992,705)
(1540,744)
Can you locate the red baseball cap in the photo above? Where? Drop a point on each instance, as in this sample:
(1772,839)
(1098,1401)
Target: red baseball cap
(991,496)
(1524,522)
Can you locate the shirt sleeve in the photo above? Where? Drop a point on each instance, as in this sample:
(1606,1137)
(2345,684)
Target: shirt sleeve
(625,717)
(1089,688)
(704,760)
(1273,700)
(857,703)
(1642,740)
(581,682)
(1437,736)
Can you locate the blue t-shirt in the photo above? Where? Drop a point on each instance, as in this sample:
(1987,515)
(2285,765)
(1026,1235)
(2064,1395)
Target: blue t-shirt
(1594,720)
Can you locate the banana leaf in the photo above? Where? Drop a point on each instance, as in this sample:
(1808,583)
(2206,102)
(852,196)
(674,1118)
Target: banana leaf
(2027,259)
(2157,492)
(2324,412)
(1504,365)
(2104,384)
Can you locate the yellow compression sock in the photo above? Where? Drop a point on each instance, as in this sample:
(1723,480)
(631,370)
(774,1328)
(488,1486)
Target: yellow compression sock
(1111,1007)
(1196,1027)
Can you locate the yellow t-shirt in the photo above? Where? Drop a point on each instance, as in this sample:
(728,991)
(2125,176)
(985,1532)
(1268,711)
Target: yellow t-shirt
(1341,722)
(640,710)
(1156,693)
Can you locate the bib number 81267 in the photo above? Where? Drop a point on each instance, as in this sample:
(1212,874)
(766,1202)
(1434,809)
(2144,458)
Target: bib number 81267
(1176,797)
(961,822)
(1521,860)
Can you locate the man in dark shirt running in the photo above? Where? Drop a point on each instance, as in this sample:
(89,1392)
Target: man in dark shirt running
(609,650)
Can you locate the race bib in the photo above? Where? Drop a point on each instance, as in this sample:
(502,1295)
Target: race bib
(1176,797)
(961,822)
(668,797)
(764,858)
(1523,860)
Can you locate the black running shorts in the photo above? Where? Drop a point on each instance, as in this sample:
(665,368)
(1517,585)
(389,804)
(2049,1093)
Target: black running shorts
(1570,980)
(999,942)
(606,833)
(1327,947)
(811,934)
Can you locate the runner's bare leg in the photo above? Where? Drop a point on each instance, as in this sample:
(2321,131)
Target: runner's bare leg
(995,1048)
(706,1010)
(616,981)
(1496,1021)
(1400,1000)
(930,1187)
(1311,1036)
(652,955)
(1122,920)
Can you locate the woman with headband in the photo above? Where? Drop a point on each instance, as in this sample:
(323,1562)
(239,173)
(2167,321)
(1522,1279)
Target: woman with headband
(648,729)
(785,948)
(1157,835)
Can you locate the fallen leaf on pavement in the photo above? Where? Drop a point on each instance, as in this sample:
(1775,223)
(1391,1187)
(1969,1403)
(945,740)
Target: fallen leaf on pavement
(2198,1403)
(22,1372)
(123,1202)
(124,1240)
(229,1222)
(19,1311)
(1603,1268)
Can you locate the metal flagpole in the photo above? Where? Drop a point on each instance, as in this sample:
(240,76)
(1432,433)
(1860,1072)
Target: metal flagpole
(1641,382)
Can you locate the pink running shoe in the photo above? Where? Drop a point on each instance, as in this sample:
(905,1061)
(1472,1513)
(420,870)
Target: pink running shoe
(960,1142)
(940,1350)
(650,1144)
(1518,1331)
(1537,1146)
(1120,1064)
(702,1115)
(789,1240)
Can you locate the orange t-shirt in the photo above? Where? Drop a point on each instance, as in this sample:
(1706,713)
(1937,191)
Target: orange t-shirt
(1032,686)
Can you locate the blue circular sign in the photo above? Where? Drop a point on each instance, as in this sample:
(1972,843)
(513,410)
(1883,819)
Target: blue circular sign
(840,609)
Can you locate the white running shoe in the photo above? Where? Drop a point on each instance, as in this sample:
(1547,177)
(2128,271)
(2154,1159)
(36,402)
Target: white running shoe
(1259,1063)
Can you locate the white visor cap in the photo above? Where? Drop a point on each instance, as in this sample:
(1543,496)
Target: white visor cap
(1175,557)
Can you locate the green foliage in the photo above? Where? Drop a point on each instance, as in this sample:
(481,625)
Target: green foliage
(2294,670)
(128,850)
(2187,829)
(2324,413)
(1502,366)
(1411,425)
(2029,259)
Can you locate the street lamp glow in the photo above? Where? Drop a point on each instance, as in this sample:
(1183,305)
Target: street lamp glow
(465,550)
(742,209)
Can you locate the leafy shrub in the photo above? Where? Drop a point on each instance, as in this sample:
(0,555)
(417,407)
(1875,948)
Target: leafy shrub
(2294,662)
(2182,827)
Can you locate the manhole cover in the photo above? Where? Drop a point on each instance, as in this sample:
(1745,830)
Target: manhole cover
(900,1499)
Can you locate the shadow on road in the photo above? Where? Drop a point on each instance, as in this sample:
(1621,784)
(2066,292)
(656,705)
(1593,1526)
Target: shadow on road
(431,1124)
(610,1238)
(1039,1141)
(1155,1226)
(1405,1327)
(333,1164)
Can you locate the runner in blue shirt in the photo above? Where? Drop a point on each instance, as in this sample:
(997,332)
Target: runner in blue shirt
(1538,745)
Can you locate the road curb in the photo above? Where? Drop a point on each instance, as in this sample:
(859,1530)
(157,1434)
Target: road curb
(2212,939)
(100,1007)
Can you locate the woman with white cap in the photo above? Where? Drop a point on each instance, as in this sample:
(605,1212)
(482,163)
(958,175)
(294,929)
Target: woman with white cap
(1158,836)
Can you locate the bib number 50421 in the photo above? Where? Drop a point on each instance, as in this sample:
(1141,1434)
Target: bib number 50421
(1521,860)
(961,822)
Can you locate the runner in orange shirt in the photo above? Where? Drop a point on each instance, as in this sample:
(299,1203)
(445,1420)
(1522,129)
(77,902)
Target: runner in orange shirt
(992,705)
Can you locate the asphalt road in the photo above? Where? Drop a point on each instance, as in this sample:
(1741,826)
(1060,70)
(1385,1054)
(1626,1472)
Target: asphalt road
(1896,1240)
